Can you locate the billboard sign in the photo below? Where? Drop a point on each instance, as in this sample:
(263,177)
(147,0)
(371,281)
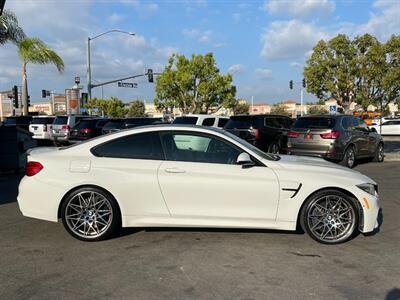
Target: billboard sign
(73,101)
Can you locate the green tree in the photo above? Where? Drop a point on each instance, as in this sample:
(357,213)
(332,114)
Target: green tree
(137,109)
(361,70)
(33,50)
(194,85)
(241,107)
(9,28)
(114,108)
(317,110)
(279,109)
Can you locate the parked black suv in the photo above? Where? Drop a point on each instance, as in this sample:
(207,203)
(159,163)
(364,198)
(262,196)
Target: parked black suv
(87,128)
(266,132)
(340,138)
(135,122)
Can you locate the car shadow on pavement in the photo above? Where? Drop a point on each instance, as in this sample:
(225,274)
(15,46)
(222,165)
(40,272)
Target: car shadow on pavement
(133,230)
(9,188)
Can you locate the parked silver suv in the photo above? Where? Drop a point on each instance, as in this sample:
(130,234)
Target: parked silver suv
(61,127)
(340,138)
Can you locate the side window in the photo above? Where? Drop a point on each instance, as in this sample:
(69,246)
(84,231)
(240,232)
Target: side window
(193,147)
(136,146)
(346,123)
(222,122)
(208,122)
(361,125)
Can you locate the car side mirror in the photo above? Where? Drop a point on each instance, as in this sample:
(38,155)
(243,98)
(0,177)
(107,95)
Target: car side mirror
(244,160)
(373,130)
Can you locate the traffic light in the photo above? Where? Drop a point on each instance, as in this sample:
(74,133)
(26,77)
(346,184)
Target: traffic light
(150,75)
(291,84)
(304,82)
(44,92)
(84,98)
(29,101)
(15,96)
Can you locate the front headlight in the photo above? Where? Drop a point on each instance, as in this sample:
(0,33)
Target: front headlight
(369,188)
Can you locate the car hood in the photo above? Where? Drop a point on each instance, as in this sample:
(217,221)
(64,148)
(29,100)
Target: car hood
(320,166)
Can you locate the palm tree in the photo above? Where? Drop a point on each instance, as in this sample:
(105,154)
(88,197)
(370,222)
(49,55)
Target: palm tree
(33,50)
(9,28)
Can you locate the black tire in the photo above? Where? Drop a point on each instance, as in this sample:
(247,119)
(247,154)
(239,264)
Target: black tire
(91,215)
(332,220)
(349,159)
(274,148)
(379,153)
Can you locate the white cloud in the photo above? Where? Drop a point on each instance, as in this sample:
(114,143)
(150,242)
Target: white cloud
(115,18)
(384,23)
(263,73)
(289,39)
(299,8)
(296,64)
(146,8)
(200,36)
(236,68)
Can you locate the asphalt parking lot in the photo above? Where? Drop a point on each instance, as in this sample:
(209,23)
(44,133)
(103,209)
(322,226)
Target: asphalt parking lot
(39,260)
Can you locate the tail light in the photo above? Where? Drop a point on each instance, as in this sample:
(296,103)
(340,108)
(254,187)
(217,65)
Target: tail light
(86,130)
(44,127)
(257,133)
(330,135)
(293,134)
(66,127)
(32,168)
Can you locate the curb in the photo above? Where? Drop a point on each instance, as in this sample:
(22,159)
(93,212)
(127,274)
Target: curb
(392,156)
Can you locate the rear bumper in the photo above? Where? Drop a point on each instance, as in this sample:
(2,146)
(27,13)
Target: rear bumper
(330,153)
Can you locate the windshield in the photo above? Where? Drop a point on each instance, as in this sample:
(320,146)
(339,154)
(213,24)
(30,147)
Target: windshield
(317,123)
(60,120)
(42,120)
(241,122)
(185,120)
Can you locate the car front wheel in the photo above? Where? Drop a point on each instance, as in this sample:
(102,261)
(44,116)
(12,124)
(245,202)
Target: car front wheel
(90,214)
(330,217)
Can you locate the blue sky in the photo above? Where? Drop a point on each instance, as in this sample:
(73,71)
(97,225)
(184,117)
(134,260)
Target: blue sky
(263,44)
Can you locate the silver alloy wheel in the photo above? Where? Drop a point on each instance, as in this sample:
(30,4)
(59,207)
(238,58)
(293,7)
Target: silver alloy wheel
(350,157)
(88,214)
(331,218)
(380,153)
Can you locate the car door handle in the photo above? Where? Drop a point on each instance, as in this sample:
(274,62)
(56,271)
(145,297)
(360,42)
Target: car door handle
(174,170)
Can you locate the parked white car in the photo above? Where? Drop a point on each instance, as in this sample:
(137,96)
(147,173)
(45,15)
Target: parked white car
(391,127)
(152,176)
(202,120)
(40,127)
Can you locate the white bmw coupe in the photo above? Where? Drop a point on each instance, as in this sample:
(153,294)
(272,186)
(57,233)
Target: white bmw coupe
(172,175)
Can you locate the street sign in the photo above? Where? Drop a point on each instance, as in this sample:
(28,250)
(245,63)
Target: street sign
(127,84)
(332,109)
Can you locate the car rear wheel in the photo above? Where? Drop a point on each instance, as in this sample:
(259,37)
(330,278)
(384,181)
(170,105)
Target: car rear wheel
(274,148)
(349,159)
(330,217)
(380,153)
(90,214)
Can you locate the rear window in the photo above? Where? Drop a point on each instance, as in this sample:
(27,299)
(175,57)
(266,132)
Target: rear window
(241,122)
(185,120)
(317,123)
(114,124)
(85,124)
(17,120)
(60,120)
(42,120)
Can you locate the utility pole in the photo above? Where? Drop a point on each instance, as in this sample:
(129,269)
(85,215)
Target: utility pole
(301,101)
(88,71)
(252,103)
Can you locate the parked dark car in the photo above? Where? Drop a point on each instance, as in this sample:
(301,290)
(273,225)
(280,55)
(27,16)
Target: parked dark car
(87,128)
(135,122)
(113,125)
(266,132)
(18,121)
(340,138)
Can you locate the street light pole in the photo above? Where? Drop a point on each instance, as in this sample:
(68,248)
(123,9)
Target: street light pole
(88,69)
